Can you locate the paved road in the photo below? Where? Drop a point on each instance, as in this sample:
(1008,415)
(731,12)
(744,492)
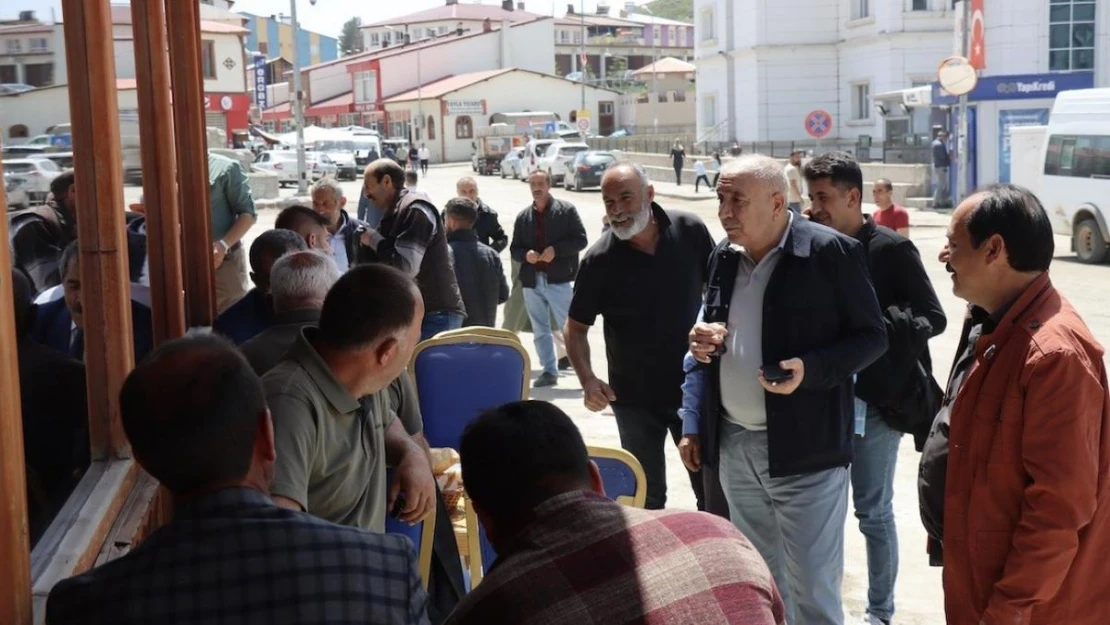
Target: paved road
(918,597)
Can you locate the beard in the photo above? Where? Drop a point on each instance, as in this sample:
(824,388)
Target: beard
(630,226)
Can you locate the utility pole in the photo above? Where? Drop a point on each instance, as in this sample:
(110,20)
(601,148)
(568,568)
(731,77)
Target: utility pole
(654,80)
(298,103)
(585,63)
(962,142)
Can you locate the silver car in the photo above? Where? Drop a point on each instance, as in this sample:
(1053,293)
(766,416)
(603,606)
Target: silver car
(510,165)
(15,189)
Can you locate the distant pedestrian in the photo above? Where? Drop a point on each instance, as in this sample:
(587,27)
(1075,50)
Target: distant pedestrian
(715,167)
(699,171)
(425,155)
(735,150)
(889,214)
(478,268)
(414,158)
(942,160)
(678,159)
(796,197)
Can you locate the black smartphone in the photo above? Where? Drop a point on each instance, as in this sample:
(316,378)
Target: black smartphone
(775,373)
(398,506)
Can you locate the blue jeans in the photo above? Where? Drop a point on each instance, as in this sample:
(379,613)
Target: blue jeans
(441,321)
(543,302)
(795,522)
(873,459)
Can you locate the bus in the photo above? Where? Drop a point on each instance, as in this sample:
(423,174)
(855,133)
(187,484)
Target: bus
(1075,187)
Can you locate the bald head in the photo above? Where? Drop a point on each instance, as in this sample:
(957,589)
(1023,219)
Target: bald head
(194,411)
(627,195)
(383,181)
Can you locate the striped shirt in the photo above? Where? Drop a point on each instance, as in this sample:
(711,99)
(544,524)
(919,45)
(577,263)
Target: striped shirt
(588,560)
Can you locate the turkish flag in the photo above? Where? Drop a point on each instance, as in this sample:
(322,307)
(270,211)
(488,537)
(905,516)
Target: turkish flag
(978,52)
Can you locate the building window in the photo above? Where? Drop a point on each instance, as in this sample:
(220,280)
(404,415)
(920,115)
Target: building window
(375,40)
(861,101)
(920,5)
(464,127)
(208,58)
(564,36)
(15,46)
(605,108)
(314,49)
(1071,35)
(38,44)
(366,86)
(431,128)
(577,36)
(861,9)
(657,35)
(443,30)
(18,131)
(263,48)
(709,111)
(708,25)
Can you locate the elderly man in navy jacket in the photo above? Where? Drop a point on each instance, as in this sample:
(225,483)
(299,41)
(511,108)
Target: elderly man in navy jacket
(790,316)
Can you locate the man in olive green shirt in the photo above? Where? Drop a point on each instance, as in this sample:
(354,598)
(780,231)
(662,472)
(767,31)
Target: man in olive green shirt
(233,214)
(334,430)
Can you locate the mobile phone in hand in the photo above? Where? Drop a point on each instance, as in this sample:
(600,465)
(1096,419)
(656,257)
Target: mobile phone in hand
(398,506)
(775,373)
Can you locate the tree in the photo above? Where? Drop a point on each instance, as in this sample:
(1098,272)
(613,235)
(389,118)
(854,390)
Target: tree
(680,10)
(350,41)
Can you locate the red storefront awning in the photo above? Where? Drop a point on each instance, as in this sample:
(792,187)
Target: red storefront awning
(339,105)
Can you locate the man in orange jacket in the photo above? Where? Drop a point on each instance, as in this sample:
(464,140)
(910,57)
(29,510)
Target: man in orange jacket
(1022,439)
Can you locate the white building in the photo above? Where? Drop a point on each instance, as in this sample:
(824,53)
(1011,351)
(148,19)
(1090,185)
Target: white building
(764,65)
(456,108)
(450,17)
(27,54)
(1034,50)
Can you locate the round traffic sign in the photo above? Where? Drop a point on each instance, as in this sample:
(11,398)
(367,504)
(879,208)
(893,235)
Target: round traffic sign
(957,76)
(583,124)
(819,123)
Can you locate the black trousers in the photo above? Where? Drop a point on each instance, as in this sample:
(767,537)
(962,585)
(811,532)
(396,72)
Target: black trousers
(678,175)
(643,434)
(697,183)
(424,166)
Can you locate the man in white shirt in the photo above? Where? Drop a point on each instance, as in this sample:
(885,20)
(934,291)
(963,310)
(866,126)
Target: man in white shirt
(796,199)
(424,154)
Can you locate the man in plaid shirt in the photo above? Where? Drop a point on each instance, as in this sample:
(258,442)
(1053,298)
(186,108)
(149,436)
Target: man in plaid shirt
(569,556)
(196,417)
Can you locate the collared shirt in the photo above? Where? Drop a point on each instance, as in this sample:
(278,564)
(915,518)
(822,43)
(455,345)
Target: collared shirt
(330,446)
(266,350)
(234,556)
(338,244)
(231,193)
(590,560)
(742,397)
(648,302)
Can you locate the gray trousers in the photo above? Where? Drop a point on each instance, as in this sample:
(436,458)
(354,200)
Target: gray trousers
(941,196)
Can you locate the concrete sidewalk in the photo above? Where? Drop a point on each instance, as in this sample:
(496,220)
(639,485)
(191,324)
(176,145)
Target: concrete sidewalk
(684,192)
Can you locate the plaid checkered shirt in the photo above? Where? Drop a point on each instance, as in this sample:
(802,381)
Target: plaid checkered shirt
(232,556)
(589,560)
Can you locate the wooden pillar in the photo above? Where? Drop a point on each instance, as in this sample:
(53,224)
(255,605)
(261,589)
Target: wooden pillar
(192,165)
(15,546)
(98,168)
(156,132)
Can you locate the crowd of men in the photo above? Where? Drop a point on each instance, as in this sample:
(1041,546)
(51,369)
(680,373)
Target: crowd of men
(786,362)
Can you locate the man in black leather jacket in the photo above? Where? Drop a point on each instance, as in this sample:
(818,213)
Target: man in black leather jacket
(39,235)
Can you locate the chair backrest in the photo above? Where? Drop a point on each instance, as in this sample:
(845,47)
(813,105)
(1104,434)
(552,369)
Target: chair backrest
(459,377)
(422,536)
(493,333)
(621,474)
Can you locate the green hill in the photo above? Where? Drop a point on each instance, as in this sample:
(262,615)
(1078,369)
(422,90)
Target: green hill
(681,10)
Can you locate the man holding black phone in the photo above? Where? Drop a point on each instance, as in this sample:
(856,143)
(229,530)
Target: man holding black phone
(792,305)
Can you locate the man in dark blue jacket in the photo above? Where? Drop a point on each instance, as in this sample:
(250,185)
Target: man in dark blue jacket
(790,316)
(478,268)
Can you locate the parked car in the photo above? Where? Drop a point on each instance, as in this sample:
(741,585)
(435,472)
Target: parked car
(22,151)
(534,150)
(8,88)
(43,140)
(38,172)
(15,189)
(284,164)
(510,165)
(585,169)
(555,159)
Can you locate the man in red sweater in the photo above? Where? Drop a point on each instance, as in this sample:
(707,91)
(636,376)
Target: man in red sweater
(889,214)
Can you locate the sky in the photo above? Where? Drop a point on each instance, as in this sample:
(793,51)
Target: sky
(327,16)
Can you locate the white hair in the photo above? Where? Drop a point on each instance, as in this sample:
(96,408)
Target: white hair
(467,180)
(302,277)
(763,168)
(327,182)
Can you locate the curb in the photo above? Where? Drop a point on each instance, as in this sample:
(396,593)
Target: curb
(684,196)
(282,203)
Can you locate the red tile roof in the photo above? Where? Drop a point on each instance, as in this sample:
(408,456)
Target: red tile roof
(461,12)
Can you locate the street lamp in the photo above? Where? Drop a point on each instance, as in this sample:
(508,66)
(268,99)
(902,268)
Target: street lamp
(419,89)
(654,81)
(298,102)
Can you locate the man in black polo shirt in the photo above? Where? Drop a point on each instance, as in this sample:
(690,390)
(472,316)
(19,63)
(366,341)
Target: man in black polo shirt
(645,276)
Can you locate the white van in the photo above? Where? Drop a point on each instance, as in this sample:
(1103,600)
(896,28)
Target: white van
(533,152)
(1075,188)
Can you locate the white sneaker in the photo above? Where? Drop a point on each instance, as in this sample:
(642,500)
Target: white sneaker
(870,619)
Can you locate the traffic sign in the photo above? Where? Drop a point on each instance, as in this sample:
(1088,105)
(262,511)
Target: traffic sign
(957,76)
(819,124)
(583,124)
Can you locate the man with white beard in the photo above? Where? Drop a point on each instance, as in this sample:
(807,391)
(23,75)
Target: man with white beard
(645,276)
